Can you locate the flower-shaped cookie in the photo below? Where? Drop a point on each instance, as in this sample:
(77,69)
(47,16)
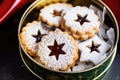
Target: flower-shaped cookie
(31,34)
(58,50)
(52,13)
(81,22)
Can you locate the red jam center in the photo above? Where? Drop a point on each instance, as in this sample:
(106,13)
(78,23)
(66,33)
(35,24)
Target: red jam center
(94,47)
(38,36)
(81,20)
(56,49)
(57,13)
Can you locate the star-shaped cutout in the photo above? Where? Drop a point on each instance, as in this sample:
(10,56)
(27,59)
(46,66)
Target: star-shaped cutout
(94,47)
(57,13)
(38,36)
(56,49)
(81,19)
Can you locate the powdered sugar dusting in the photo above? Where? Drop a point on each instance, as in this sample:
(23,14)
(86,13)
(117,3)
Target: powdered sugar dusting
(47,13)
(27,35)
(64,59)
(95,57)
(71,16)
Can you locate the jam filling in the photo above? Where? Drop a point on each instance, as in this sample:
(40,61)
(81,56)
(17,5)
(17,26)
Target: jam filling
(94,47)
(38,36)
(57,13)
(56,49)
(82,20)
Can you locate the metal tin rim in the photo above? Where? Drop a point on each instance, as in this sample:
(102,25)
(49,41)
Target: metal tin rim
(43,79)
(108,65)
(32,6)
(28,66)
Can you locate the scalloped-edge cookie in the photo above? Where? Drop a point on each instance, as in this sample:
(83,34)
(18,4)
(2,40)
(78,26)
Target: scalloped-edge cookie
(31,35)
(51,14)
(57,50)
(81,22)
(94,50)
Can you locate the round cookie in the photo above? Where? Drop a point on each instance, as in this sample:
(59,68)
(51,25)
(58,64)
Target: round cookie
(81,22)
(57,50)
(30,36)
(52,13)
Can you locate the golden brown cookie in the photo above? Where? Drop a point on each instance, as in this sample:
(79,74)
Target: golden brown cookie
(31,35)
(52,13)
(57,50)
(81,22)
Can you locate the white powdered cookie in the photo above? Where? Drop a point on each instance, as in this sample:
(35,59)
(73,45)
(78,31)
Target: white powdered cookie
(94,50)
(81,22)
(57,50)
(30,35)
(52,13)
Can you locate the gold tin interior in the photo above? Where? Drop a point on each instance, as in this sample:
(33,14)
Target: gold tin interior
(32,13)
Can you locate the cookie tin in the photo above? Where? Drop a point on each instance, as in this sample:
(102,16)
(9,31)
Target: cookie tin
(33,68)
(97,72)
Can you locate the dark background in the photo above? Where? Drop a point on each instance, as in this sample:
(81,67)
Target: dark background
(11,65)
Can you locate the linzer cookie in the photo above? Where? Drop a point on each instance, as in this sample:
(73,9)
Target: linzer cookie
(94,50)
(81,22)
(57,50)
(31,34)
(52,13)
(67,38)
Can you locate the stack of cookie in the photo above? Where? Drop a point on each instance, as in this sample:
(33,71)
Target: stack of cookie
(65,38)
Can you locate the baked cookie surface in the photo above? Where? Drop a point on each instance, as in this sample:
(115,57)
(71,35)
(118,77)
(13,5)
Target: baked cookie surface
(94,50)
(81,22)
(52,13)
(67,38)
(58,50)
(31,35)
